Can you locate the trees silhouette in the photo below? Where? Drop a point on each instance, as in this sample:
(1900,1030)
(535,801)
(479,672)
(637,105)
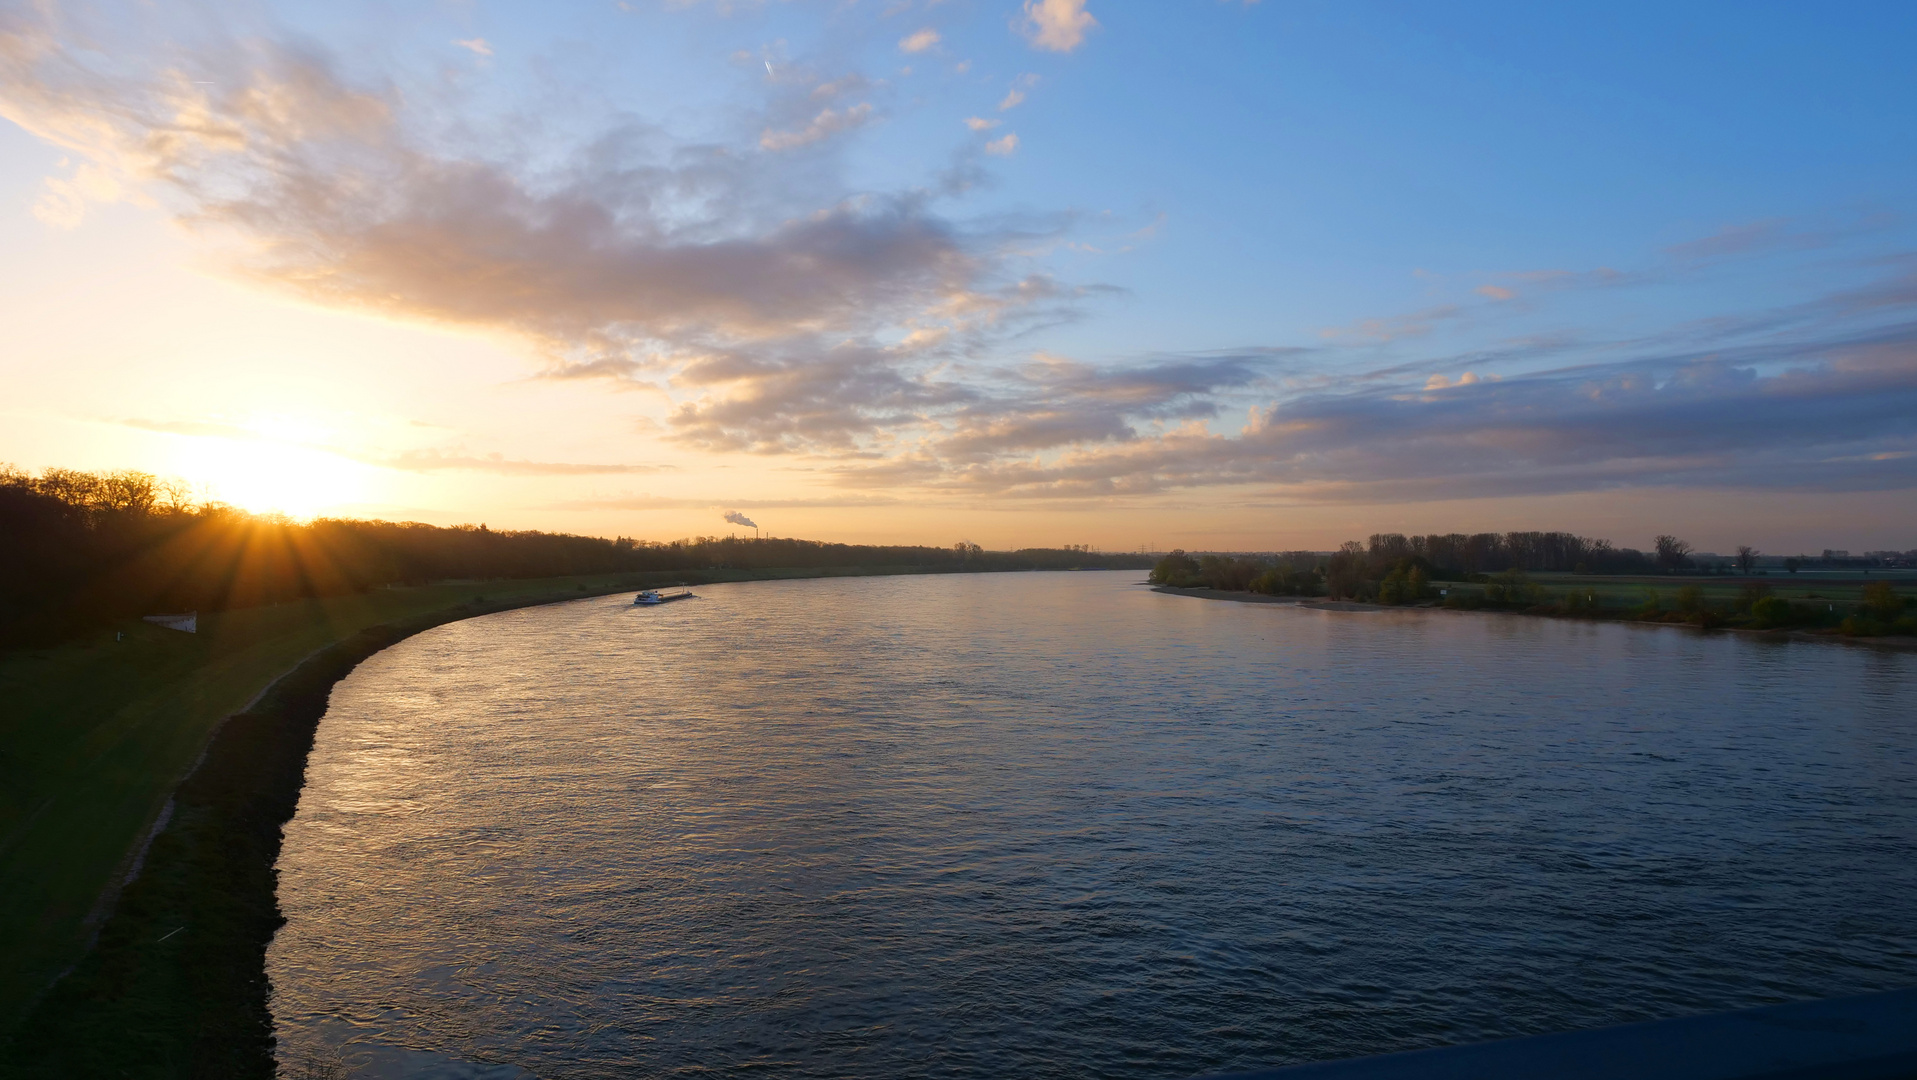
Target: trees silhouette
(78,549)
(1672,553)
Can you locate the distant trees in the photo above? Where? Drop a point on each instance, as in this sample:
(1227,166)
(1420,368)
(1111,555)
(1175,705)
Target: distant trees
(1672,554)
(1178,570)
(1458,554)
(1746,558)
(1404,584)
(78,549)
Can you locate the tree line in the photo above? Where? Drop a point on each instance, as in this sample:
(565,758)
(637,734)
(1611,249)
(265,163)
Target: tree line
(82,549)
(1358,570)
(1395,569)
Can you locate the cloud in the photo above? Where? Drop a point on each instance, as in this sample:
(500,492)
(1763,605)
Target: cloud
(667,502)
(779,312)
(848,84)
(426,461)
(1734,240)
(1016,95)
(1414,324)
(920,41)
(1004,146)
(977,124)
(190,428)
(1056,25)
(477,45)
(1824,413)
(827,123)
(736,518)
(630,257)
(1495,292)
(420,461)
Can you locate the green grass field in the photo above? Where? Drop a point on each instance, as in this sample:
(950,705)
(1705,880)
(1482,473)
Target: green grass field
(1842,591)
(95,734)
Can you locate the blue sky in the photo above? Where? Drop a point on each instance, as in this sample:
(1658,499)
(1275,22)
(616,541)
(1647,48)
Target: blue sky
(1234,274)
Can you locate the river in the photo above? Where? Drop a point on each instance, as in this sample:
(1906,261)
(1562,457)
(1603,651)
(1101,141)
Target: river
(1057,825)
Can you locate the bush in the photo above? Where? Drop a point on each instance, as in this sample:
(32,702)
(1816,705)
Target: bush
(1882,601)
(1749,595)
(1580,601)
(1860,626)
(1650,607)
(1405,584)
(1513,587)
(1772,611)
(1285,581)
(1178,570)
(1690,600)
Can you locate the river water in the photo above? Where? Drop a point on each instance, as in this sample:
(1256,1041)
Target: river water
(1057,825)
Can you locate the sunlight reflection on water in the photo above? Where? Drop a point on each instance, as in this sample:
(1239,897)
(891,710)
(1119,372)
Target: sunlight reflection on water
(1058,825)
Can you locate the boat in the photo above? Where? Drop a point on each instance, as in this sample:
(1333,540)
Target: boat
(652,597)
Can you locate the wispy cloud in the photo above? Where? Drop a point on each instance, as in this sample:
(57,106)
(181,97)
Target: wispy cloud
(635,258)
(190,428)
(1392,328)
(1056,25)
(1016,95)
(1004,146)
(1824,407)
(670,502)
(477,45)
(919,41)
(1734,240)
(428,461)
(827,123)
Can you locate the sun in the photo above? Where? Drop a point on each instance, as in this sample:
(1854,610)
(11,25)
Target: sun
(278,471)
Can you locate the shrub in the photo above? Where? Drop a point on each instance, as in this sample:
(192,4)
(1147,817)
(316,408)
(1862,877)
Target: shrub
(1749,595)
(1771,611)
(1178,570)
(1405,584)
(1861,626)
(1284,581)
(1650,607)
(1690,600)
(1882,601)
(1513,587)
(1580,601)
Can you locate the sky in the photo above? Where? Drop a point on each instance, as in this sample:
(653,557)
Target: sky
(1197,273)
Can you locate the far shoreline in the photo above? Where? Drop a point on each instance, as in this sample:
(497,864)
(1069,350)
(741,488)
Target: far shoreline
(1321,604)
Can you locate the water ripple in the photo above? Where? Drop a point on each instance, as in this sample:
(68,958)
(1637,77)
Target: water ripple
(1056,825)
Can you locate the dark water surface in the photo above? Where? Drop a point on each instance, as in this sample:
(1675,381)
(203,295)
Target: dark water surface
(1052,825)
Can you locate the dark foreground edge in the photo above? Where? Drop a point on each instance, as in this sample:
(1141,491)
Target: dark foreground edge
(176,984)
(1872,1037)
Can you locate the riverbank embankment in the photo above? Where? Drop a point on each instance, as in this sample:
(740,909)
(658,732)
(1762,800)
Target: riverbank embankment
(101,737)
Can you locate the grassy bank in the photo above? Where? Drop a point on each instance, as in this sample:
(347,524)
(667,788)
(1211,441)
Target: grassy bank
(1828,608)
(176,985)
(95,735)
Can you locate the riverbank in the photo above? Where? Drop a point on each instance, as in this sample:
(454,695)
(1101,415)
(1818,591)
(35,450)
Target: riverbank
(95,737)
(1896,644)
